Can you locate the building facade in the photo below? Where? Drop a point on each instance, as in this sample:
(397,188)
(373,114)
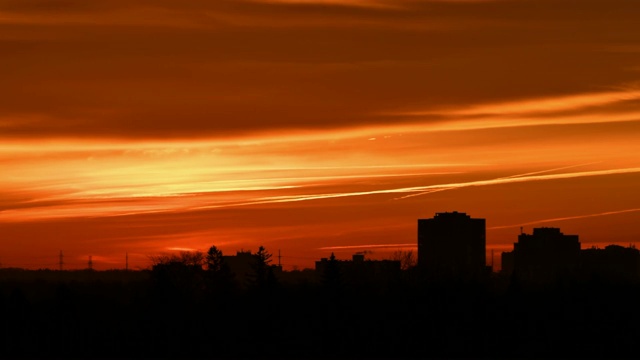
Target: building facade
(546,255)
(613,263)
(359,270)
(452,244)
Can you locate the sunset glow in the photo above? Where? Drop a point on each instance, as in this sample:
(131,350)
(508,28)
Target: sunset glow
(311,127)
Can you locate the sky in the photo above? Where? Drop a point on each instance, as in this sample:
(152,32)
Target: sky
(145,127)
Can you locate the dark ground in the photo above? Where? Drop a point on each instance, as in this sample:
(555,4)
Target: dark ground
(140,314)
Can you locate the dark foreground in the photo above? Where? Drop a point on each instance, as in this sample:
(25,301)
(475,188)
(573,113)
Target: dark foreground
(139,314)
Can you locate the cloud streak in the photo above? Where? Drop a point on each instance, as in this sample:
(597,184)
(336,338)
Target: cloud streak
(576,217)
(131,69)
(542,106)
(155,204)
(423,190)
(124,121)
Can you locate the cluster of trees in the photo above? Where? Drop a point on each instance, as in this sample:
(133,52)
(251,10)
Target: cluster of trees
(187,272)
(195,273)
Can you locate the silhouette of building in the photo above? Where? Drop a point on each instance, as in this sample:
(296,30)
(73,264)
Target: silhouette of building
(241,265)
(359,269)
(546,255)
(613,263)
(452,244)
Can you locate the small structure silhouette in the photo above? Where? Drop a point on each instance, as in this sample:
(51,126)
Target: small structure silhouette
(359,269)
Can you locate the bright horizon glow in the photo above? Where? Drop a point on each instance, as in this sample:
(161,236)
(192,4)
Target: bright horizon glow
(311,126)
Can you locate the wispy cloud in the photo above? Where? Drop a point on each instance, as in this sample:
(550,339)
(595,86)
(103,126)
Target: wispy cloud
(147,114)
(542,105)
(501,178)
(423,190)
(576,217)
(585,108)
(209,200)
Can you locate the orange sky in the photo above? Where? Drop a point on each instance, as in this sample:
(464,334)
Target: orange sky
(308,127)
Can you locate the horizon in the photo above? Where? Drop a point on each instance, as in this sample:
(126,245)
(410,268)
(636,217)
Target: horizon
(311,126)
(491,260)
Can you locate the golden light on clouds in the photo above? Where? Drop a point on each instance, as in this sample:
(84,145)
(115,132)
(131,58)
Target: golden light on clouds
(307,126)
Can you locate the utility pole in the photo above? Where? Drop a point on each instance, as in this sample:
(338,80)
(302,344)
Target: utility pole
(61,260)
(90,263)
(126,262)
(279,264)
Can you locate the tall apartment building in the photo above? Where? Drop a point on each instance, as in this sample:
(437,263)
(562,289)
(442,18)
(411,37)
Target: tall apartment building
(452,244)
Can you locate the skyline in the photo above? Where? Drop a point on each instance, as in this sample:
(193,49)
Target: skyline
(490,261)
(143,127)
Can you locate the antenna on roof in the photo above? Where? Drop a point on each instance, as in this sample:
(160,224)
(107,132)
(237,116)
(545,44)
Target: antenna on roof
(521,232)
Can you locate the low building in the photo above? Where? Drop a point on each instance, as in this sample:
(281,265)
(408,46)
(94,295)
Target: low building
(242,265)
(359,269)
(546,255)
(612,263)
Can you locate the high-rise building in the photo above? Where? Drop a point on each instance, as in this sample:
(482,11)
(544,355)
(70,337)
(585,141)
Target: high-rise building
(452,244)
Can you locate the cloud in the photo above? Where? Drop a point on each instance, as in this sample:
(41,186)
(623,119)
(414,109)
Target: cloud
(424,190)
(167,70)
(565,218)
(165,117)
(542,106)
(575,109)
(204,200)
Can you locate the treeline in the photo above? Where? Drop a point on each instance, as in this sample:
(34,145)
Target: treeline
(192,305)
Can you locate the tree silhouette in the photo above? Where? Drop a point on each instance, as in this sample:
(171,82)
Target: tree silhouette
(407,259)
(263,257)
(189,259)
(219,276)
(214,259)
(261,278)
(178,277)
